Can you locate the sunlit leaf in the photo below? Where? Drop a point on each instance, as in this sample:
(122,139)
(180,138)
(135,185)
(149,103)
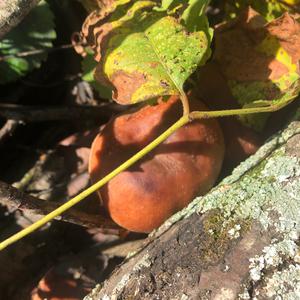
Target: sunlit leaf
(166,5)
(192,13)
(291,2)
(36,31)
(144,53)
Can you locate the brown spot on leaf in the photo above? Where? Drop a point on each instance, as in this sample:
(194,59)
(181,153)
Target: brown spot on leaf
(164,84)
(287,31)
(153,65)
(125,85)
(237,44)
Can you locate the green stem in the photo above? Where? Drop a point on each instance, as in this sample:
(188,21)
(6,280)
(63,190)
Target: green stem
(181,122)
(234,112)
(19,235)
(185,103)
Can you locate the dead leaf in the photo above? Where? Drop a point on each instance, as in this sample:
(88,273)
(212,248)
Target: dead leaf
(259,60)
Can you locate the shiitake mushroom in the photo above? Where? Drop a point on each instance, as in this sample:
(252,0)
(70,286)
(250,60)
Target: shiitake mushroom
(185,165)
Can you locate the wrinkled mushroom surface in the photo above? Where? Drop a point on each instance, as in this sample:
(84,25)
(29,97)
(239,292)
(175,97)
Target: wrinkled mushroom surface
(187,164)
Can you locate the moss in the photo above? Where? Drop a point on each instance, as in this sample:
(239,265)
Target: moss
(219,234)
(216,239)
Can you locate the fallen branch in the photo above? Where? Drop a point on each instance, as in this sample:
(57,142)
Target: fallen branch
(14,199)
(36,52)
(8,129)
(57,113)
(12,12)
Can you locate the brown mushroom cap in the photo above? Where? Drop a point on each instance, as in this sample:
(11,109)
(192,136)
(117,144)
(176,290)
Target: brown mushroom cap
(187,164)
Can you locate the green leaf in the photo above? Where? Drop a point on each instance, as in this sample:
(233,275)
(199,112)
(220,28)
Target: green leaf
(88,66)
(260,61)
(194,15)
(146,53)
(166,4)
(269,9)
(36,31)
(258,121)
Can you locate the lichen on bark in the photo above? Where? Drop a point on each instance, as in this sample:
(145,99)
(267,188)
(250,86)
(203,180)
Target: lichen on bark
(241,240)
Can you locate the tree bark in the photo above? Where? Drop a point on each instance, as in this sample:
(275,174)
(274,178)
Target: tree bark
(240,241)
(12,13)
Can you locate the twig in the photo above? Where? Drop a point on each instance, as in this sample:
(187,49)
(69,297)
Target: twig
(67,78)
(12,12)
(14,199)
(36,52)
(56,113)
(8,129)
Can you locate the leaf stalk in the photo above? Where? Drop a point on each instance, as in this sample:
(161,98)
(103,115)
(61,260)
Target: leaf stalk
(186,118)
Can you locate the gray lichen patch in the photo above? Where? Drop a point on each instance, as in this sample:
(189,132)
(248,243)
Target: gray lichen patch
(257,189)
(281,284)
(272,255)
